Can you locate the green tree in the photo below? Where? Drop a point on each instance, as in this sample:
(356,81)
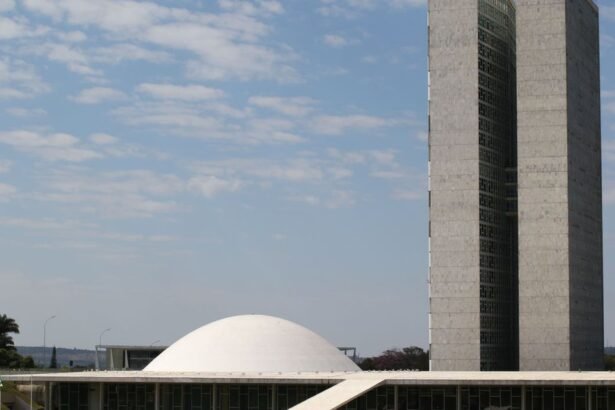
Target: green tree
(7,326)
(54,361)
(408,358)
(10,359)
(27,362)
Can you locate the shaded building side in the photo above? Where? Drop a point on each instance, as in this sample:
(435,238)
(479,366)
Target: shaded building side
(559,186)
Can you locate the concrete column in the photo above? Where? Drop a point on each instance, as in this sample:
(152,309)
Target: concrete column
(214,397)
(396,398)
(590,404)
(274,395)
(46,396)
(157,397)
(458,397)
(101,396)
(523,398)
(49,394)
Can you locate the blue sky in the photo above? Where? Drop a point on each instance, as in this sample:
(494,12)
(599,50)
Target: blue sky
(167,164)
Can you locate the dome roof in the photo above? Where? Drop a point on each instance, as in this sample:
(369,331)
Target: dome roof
(251,344)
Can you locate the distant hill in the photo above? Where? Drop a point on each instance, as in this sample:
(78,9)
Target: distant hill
(80,357)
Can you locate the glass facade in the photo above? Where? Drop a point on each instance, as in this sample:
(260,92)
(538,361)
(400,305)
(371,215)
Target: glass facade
(497,185)
(142,396)
(72,396)
(485,398)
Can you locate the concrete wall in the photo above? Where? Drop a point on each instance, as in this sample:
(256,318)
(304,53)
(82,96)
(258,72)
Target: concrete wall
(585,187)
(560,267)
(454,188)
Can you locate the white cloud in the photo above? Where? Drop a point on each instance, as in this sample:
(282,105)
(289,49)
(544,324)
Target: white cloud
(97,95)
(177,92)
(258,7)
(208,120)
(20,112)
(210,186)
(334,40)
(340,199)
(175,118)
(295,170)
(407,3)
(75,60)
(338,125)
(11,29)
(335,200)
(119,194)
(5,166)
(351,8)
(376,157)
(52,147)
(41,224)
(112,15)
(7,93)
(422,136)
(226,45)
(72,36)
(291,106)
(19,80)
(6,191)
(103,139)
(116,53)
(6,5)
(311,200)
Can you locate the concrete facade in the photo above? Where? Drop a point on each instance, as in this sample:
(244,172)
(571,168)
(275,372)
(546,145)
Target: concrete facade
(454,191)
(559,186)
(515,213)
(472,309)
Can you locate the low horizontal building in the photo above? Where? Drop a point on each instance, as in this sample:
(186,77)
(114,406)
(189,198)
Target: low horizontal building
(125,357)
(265,363)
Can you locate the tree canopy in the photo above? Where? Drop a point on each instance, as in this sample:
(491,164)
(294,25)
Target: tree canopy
(9,358)
(53,364)
(7,326)
(408,358)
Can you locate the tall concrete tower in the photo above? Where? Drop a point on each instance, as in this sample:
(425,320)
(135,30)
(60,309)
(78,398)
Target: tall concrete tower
(472,141)
(514,285)
(560,187)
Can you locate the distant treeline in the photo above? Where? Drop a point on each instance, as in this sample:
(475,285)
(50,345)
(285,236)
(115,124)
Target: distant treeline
(78,357)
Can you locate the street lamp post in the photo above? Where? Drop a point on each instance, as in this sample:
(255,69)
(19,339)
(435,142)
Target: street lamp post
(99,345)
(45,338)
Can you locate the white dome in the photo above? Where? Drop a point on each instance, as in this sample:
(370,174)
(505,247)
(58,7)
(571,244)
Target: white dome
(251,344)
